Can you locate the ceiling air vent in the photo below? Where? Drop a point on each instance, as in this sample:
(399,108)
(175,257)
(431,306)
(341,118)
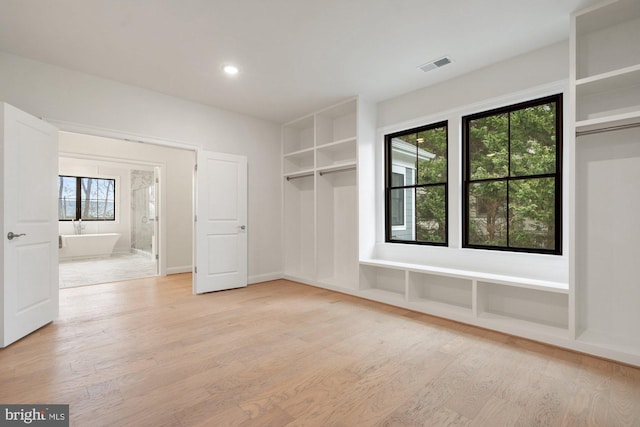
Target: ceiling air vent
(437,63)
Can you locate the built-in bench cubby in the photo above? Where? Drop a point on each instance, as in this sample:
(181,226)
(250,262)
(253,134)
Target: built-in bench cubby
(543,310)
(441,293)
(383,284)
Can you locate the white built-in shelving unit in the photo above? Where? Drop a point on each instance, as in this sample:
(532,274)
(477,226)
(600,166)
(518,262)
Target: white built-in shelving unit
(605,84)
(320,196)
(606,65)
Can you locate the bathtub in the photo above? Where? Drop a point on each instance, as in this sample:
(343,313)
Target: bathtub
(87,245)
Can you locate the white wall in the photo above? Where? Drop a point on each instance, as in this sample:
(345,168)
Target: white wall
(529,76)
(67,96)
(522,72)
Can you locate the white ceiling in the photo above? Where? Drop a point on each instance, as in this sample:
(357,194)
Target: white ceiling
(295,56)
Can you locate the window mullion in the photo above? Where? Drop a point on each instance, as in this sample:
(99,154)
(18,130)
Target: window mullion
(415,208)
(508,213)
(78,198)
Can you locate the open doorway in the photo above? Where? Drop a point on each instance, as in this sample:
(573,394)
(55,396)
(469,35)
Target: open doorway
(125,235)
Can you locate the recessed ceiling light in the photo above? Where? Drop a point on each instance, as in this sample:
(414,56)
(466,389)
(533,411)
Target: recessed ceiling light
(230,70)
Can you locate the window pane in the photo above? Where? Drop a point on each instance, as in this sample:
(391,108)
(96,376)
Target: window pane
(489,147)
(87,188)
(432,156)
(66,197)
(431,214)
(404,154)
(98,198)
(397,207)
(488,213)
(397,179)
(533,140)
(88,210)
(402,214)
(532,213)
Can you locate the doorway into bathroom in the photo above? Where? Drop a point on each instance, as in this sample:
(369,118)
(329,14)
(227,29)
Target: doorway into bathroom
(113,197)
(108,216)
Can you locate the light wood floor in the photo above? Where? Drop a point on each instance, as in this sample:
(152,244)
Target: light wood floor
(148,353)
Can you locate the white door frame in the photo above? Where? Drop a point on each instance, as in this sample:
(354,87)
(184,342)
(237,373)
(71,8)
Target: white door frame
(125,136)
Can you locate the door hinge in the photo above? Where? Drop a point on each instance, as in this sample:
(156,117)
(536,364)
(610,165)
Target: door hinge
(195,269)
(195,218)
(157,180)
(157,218)
(156,256)
(195,167)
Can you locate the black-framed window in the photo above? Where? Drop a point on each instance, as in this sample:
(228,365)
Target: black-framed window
(86,198)
(512,191)
(416,185)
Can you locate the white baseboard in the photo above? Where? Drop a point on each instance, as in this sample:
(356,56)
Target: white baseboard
(257,278)
(250,280)
(178,270)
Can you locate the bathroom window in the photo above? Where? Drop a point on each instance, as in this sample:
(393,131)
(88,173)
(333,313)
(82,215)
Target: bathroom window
(85,198)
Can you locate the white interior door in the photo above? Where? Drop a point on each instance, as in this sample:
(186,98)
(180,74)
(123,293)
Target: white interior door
(29,147)
(221,222)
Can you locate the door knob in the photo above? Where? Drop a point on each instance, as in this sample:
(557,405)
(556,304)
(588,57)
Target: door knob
(242,227)
(11,235)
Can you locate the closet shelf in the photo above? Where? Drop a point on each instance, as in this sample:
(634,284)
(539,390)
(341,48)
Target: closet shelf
(606,122)
(605,82)
(299,153)
(600,17)
(336,143)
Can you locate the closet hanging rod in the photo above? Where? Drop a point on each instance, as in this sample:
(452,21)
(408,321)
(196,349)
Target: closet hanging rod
(608,129)
(289,178)
(346,168)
